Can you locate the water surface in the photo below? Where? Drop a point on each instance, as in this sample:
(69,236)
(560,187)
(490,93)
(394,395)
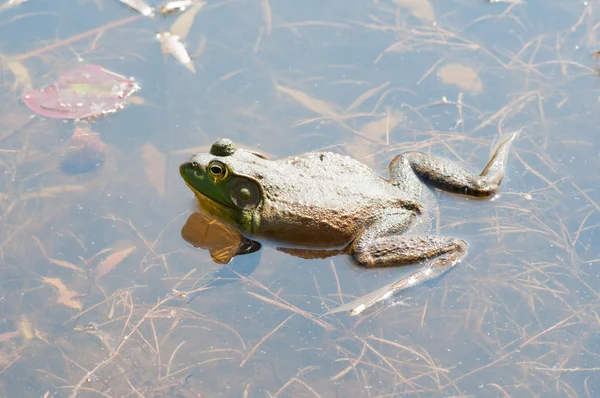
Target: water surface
(519,317)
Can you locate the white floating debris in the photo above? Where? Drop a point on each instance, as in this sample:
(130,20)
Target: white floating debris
(171,44)
(11,3)
(175,5)
(140,6)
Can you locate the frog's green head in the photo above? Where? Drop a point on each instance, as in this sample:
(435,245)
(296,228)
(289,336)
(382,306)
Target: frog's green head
(220,191)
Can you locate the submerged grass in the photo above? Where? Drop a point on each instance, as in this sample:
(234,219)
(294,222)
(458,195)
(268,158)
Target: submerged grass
(519,317)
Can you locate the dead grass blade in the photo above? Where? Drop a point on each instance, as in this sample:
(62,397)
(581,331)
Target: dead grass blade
(4,337)
(286,306)
(421,9)
(381,128)
(52,192)
(321,107)
(271,333)
(365,96)
(553,327)
(315,105)
(168,374)
(352,366)
(111,261)
(155,166)
(462,76)
(60,263)
(182,25)
(66,264)
(65,295)
(21,74)
(389,364)
(267,15)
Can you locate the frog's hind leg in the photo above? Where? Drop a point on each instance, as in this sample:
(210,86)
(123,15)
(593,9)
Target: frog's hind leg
(439,253)
(382,244)
(408,169)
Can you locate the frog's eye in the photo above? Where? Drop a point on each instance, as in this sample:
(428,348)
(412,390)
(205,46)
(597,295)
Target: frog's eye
(217,170)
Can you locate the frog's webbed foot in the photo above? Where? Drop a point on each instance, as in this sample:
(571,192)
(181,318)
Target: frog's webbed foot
(408,169)
(440,254)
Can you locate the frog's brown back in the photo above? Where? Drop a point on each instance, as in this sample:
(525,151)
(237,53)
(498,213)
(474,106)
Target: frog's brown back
(322,199)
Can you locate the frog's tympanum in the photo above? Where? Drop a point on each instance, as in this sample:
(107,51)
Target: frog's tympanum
(333,204)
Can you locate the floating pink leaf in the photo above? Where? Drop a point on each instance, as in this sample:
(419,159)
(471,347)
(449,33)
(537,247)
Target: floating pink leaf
(83,92)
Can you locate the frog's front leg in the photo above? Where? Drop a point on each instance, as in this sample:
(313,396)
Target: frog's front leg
(408,169)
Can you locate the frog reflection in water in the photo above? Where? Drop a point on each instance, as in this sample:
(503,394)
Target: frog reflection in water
(334,204)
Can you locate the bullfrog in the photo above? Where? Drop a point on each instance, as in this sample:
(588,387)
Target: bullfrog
(330,204)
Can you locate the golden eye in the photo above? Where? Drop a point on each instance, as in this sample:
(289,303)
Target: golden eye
(217,170)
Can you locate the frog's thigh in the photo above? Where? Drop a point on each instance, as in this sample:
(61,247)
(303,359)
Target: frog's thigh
(449,176)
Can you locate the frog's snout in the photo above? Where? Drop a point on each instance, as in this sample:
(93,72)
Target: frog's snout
(183,168)
(188,169)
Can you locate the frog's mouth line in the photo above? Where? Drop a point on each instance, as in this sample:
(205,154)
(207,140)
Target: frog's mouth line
(207,199)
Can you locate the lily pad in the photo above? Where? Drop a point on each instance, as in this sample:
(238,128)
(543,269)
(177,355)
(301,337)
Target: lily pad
(86,91)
